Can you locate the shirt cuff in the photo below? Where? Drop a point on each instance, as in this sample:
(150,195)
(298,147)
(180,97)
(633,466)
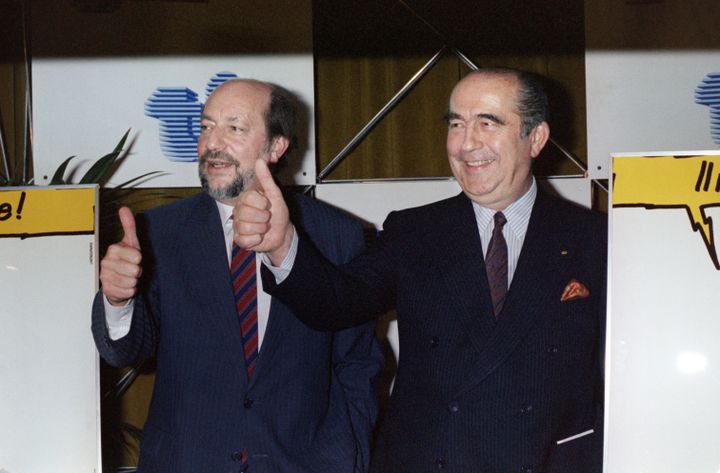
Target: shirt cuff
(283,271)
(118,319)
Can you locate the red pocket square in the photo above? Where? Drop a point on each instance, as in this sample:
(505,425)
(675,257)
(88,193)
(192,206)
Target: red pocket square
(574,290)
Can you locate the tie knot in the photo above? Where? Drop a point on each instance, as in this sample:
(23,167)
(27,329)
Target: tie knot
(500,219)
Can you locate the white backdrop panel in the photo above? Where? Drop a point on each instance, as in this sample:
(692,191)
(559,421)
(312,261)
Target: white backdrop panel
(49,401)
(83,106)
(645,100)
(663,370)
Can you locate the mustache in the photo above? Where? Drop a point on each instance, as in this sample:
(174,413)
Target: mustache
(217,156)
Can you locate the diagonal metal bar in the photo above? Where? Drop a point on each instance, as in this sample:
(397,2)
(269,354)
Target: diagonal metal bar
(27,132)
(465,59)
(406,88)
(379,115)
(6,177)
(422,19)
(568,155)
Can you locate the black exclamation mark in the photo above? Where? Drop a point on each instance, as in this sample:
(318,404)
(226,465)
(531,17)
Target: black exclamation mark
(18,213)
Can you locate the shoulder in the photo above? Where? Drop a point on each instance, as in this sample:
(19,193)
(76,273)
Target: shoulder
(444,212)
(180,207)
(337,234)
(569,215)
(165,221)
(310,213)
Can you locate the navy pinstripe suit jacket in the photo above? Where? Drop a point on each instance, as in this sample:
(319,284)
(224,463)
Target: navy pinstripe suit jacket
(473,394)
(310,405)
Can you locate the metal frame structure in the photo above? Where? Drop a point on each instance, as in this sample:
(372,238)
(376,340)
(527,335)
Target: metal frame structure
(405,89)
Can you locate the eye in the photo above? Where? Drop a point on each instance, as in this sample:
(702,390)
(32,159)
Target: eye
(455,124)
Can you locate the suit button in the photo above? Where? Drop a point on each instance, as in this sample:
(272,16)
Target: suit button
(526,409)
(453,407)
(440,463)
(552,350)
(237,456)
(434,342)
(248,403)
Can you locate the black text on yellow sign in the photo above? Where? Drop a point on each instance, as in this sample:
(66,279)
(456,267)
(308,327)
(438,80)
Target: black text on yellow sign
(690,183)
(28,212)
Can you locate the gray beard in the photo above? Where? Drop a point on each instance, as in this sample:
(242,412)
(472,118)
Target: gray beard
(229,191)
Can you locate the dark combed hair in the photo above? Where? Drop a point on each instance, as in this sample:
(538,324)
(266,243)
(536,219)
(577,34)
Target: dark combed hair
(532,102)
(281,116)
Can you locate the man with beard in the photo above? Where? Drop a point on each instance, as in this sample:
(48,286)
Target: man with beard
(241,384)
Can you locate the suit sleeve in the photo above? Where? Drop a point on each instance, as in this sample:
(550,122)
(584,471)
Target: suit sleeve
(137,345)
(356,355)
(344,295)
(357,359)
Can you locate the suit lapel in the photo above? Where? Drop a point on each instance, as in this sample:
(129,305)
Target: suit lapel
(276,328)
(532,290)
(461,267)
(272,339)
(203,246)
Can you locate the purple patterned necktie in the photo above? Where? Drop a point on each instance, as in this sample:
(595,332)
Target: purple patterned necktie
(496,263)
(242,272)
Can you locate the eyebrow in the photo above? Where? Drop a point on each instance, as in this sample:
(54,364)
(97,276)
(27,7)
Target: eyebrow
(492,117)
(450,116)
(485,116)
(204,116)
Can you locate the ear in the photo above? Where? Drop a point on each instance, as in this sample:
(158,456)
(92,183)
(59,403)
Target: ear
(538,137)
(277,148)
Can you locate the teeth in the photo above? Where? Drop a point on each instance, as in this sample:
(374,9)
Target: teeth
(479,163)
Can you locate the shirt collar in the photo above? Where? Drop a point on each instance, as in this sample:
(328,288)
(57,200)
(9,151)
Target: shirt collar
(517,213)
(225,212)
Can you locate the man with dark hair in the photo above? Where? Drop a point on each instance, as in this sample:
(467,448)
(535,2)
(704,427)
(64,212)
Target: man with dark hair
(499,293)
(241,385)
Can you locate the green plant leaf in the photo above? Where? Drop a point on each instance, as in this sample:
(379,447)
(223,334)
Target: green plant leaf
(98,172)
(137,178)
(58,178)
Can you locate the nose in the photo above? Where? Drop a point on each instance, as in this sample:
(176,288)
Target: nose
(472,139)
(211,139)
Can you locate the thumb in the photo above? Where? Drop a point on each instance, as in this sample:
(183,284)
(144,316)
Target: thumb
(127,220)
(265,180)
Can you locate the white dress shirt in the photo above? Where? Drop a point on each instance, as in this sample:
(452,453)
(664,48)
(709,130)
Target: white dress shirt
(517,215)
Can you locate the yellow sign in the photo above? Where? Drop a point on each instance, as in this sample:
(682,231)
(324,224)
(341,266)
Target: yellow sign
(27,211)
(691,183)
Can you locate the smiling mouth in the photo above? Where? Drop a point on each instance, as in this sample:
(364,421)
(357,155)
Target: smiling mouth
(479,163)
(220,164)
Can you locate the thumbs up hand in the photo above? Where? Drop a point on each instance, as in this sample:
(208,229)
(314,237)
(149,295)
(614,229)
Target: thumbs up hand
(120,269)
(260,218)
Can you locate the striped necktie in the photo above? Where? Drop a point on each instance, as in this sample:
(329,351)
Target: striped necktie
(242,272)
(496,264)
